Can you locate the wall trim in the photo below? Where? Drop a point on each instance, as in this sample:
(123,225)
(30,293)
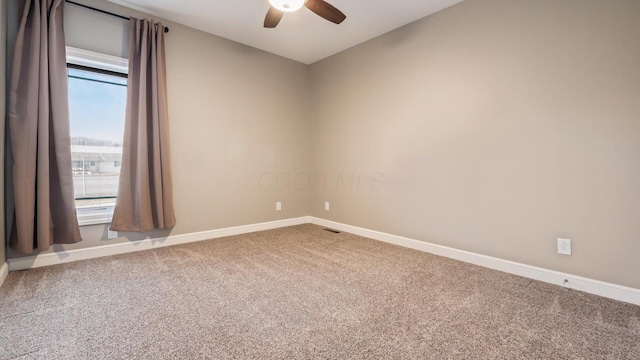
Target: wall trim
(97,60)
(591,286)
(4,271)
(62,257)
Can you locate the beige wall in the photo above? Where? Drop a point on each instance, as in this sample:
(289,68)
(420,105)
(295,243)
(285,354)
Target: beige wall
(90,30)
(494,126)
(235,113)
(3,32)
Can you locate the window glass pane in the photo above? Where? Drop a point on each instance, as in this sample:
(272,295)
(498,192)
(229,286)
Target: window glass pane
(96,108)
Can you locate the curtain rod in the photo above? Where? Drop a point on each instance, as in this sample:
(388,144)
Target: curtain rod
(166,29)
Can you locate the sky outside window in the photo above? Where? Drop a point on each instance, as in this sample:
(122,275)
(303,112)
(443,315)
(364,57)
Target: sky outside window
(97,110)
(97,105)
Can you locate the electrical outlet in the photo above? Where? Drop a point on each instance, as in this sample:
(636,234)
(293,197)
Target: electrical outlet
(564,246)
(278,206)
(112,234)
(326,205)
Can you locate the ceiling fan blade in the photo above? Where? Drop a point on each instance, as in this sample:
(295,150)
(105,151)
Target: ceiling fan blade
(273,17)
(325,10)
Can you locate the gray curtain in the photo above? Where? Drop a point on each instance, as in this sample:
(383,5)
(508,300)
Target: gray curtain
(145,198)
(45,212)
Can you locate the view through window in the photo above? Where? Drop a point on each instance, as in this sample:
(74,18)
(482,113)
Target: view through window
(97,101)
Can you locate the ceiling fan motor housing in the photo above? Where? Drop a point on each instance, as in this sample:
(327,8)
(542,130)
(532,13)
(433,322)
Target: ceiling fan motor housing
(287,5)
(319,7)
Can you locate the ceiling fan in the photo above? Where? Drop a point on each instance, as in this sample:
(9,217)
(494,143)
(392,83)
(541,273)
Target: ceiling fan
(320,7)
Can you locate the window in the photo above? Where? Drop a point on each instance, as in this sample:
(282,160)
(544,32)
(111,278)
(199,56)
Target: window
(97,100)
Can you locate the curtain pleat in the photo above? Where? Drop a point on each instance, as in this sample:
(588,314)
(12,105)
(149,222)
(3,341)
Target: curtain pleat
(44,212)
(145,197)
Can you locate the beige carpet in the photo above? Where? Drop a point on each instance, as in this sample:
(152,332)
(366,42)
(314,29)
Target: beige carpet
(299,293)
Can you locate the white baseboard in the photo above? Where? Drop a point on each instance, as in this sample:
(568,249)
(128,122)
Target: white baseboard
(62,257)
(596,287)
(4,271)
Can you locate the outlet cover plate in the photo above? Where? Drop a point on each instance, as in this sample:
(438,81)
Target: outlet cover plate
(278,206)
(326,205)
(564,246)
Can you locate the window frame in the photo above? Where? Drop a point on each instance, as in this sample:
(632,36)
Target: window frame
(110,65)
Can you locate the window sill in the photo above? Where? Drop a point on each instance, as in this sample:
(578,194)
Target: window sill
(95,215)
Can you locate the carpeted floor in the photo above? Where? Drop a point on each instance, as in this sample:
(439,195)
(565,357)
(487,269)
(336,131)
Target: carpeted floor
(298,293)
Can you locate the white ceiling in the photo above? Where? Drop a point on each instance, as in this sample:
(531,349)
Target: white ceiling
(302,36)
